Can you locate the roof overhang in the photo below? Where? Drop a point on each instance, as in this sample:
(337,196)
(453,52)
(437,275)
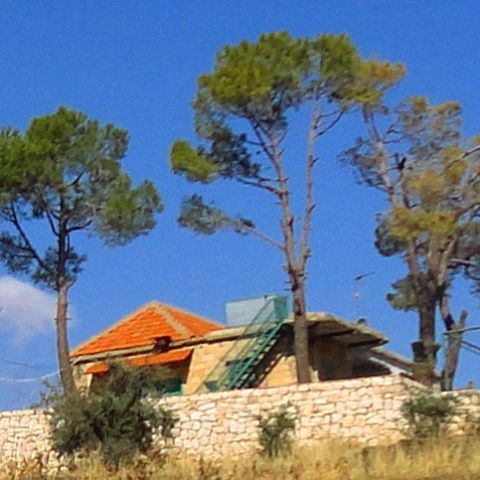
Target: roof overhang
(164,358)
(325,326)
(320,324)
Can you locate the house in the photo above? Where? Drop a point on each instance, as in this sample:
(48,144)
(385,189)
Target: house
(192,354)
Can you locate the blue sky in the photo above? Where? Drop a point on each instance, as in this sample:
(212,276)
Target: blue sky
(135,64)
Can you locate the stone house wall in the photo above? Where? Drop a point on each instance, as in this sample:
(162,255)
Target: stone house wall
(205,357)
(329,361)
(365,410)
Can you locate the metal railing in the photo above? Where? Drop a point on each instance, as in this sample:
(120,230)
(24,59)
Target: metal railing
(237,367)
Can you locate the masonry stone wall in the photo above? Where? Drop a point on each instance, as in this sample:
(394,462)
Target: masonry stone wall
(25,435)
(367,410)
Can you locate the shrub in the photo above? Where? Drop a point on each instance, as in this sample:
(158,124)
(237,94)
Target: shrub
(276,432)
(118,420)
(428,414)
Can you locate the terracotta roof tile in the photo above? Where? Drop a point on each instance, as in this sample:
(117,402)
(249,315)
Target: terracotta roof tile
(142,327)
(97,369)
(145,360)
(160,358)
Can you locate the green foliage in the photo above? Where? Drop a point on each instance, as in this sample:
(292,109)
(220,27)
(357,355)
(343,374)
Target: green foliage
(195,165)
(410,225)
(247,98)
(202,218)
(65,170)
(248,74)
(275,433)
(428,414)
(417,156)
(119,420)
(207,219)
(385,241)
(403,296)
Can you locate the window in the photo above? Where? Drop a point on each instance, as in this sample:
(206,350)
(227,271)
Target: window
(170,387)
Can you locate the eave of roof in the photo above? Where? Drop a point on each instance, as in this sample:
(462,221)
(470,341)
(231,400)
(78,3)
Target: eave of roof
(164,358)
(393,356)
(326,325)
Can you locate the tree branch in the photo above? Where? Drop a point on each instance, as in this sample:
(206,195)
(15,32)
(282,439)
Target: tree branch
(445,312)
(77,179)
(78,227)
(257,130)
(51,222)
(460,262)
(471,151)
(262,236)
(16,223)
(384,169)
(259,184)
(330,125)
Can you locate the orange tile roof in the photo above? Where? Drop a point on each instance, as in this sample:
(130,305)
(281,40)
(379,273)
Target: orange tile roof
(141,328)
(145,360)
(97,368)
(160,358)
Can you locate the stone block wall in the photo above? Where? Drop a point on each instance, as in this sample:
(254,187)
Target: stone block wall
(25,435)
(468,409)
(366,410)
(220,423)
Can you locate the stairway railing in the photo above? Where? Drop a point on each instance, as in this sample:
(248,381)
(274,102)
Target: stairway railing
(237,367)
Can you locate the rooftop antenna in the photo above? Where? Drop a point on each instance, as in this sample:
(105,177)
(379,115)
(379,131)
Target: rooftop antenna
(357,281)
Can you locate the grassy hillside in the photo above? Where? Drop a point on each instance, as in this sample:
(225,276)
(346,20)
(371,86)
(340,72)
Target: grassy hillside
(447,459)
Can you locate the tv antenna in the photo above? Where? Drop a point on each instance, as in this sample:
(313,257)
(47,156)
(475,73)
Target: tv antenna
(357,282)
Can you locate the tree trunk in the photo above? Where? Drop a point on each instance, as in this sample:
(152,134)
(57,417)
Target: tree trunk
(452,354)
(294,266)
(425,350)
(300,330)
(63,350)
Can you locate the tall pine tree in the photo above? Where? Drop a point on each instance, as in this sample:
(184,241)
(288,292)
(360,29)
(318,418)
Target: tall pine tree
(65,173)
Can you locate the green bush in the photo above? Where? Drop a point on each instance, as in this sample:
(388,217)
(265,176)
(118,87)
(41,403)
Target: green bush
(276,433)
(119,420)
(429,414)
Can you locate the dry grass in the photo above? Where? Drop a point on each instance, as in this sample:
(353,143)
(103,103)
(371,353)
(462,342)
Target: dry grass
(441,460)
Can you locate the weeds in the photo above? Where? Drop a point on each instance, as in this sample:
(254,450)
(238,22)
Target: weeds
(429,414)
(435,459)
(276,433)
(118,420)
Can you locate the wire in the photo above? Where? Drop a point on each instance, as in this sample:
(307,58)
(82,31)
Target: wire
(29,380)
(471,350)
(22,372)
(21,364)
(471,345)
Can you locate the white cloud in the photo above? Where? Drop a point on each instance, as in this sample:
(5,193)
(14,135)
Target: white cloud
(26,311)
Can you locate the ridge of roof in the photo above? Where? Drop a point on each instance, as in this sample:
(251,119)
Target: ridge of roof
(183,310)
(170,319)
(162,309)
